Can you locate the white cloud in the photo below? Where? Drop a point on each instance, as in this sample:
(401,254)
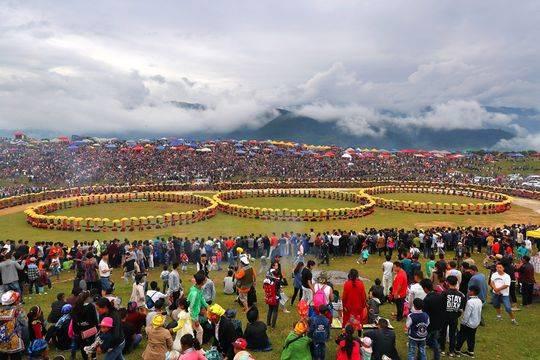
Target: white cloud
(525,142)
(91,67)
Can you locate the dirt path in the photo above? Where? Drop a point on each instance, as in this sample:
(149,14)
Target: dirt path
(528,203)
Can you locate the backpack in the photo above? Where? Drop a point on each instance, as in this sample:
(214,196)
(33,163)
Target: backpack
(319,334)
(270,295)
(320,297)
(213,354)
(10,338)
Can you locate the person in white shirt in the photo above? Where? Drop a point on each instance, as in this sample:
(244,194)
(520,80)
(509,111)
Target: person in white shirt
(387,275)
(500,283)
(472,316)
(154,294)
(528,245)
(105,272)
(416,291)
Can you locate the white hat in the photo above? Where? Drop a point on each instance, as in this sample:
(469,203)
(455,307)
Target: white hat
(244,259)
(10,297)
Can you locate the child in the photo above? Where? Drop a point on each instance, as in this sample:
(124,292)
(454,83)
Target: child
(191,349)
(36,327)
(417,324)
(219,258)
(213,263)
(319,332)
(271,291)
(264,264)
(33,276)
(470,322)
(55,267)
(183,326)
(255,333)
(240,352)
(184,260)
(373,308)
(348,345)
(43,278)
(104,340)
(377,290)
(165,278)
(365,255)
(337,310)
(228,283)
(366,349)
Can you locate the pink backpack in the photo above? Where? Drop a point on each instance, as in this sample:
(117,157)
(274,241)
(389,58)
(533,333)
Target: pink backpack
(320,297)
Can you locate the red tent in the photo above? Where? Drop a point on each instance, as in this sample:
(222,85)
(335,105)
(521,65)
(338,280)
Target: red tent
(408,151)
(329,154)
(138,148)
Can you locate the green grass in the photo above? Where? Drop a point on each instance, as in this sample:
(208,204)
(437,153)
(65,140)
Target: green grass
(292,203)
(431,197)
(530,166)
(127,209)
(497,340)
(14,226)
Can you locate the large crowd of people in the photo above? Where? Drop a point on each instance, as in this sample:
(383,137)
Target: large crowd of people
(33,167)
(437,299)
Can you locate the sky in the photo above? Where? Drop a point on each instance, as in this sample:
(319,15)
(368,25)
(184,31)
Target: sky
(99,67)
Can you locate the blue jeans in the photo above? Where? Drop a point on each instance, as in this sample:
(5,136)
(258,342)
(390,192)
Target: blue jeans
(414,346)
(11,286)
(105,283)
(432,341)
(319,350)
(116,353)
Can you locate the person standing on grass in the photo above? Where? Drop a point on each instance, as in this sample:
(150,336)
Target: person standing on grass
(104,272)
(9,275)
(354,299)
(472,317)
(500,284)
(526,278)
(455,303)
(399,289)
(387,267)
(417,328)
(307,283)
(435,307)
(297,281)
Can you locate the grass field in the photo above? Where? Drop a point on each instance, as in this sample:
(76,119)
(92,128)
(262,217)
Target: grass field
(128,210)
(14,226)
(431,197)
(292,203)
(517,342)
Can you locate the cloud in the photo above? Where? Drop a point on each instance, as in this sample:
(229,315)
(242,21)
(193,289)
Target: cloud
(521,142)
(454,114)
(94,68)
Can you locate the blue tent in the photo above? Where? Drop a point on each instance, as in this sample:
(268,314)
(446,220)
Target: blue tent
(73,147)
(516,155)
(160,147)
(111,146)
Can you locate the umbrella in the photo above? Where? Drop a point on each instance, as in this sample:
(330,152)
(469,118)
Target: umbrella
(204,150)
(346,156)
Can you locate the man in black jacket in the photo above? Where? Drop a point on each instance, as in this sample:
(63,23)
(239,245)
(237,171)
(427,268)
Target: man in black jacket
(225,333)
(384,341)
(434,306)
(56,308)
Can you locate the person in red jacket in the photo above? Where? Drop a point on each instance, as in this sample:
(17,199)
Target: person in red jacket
(399,289)
(354,301)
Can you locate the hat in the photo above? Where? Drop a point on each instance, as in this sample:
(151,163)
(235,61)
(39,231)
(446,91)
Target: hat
(107,322)
(158,321)
(66,309)
(239,250)
(322,276)
(240,343)
(216,309)
(10,297)
(366,341)
(300,328)
(460,243)
(498,256)
(244,260)
(32,259)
